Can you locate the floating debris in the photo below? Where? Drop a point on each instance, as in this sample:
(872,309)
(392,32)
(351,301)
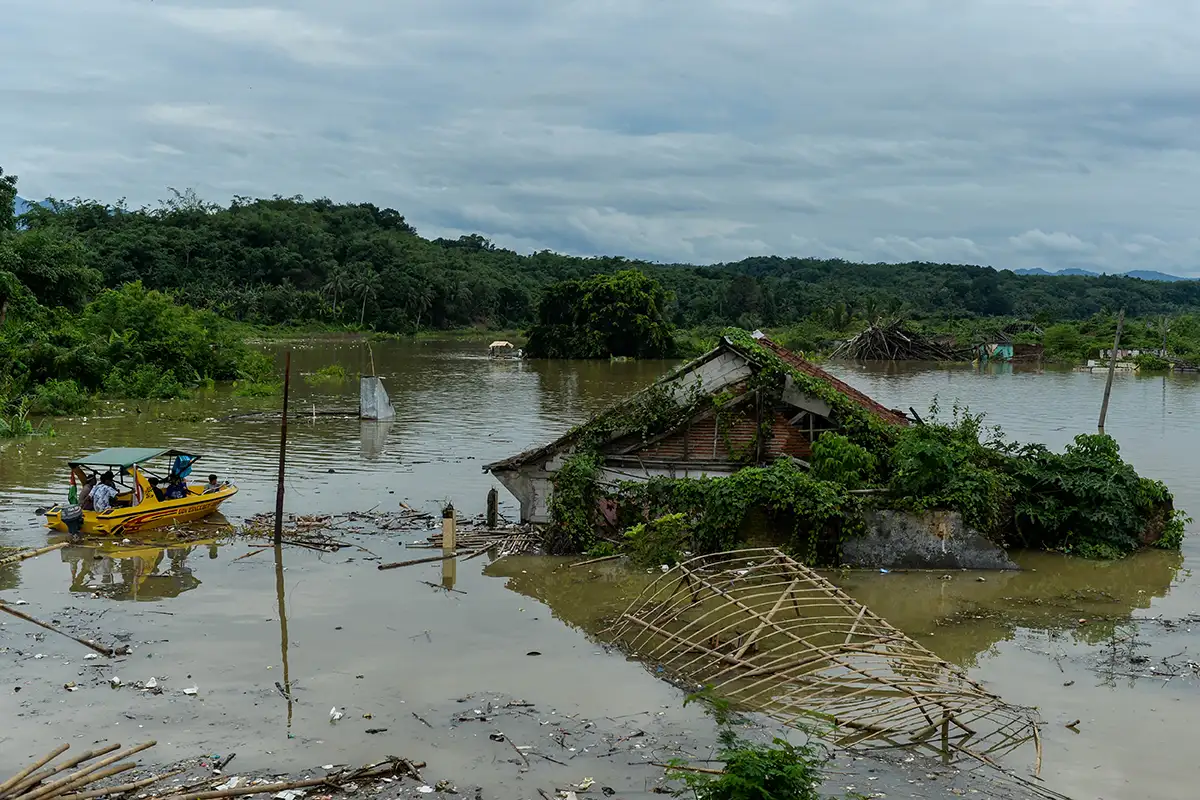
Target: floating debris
(770,634)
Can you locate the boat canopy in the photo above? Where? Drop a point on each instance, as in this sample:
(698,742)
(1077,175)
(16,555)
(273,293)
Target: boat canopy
(126,457)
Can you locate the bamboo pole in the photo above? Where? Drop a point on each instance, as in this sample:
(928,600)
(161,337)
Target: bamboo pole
(413,561)
(287,374)
(122,788)
(99,648)
(15,557)
(247,790)
(51,789)
(84,780)
(66,765)
(1112,368)
(25,773)
(595,561)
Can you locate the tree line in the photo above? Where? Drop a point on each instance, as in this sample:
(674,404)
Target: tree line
(291,260)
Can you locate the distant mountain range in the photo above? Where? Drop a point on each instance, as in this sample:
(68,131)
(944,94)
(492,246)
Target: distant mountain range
(1144,274)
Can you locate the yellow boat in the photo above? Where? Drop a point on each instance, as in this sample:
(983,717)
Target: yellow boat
(139,504)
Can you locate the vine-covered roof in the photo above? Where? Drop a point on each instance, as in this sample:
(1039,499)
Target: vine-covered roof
(761,352)
(808,368)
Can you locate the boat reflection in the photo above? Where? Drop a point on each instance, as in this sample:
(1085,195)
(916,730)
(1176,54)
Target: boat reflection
(147,573)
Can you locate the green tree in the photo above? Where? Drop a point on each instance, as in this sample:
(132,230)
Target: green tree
(365,283)
(337,283)
(8,202)
(608,315)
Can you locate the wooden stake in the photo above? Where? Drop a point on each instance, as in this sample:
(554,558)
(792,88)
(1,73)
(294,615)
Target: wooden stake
(449,528)
(1112,368)
(99,648)
(287,375)
(493,507)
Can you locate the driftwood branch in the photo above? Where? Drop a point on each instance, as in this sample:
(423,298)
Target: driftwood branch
(99,648)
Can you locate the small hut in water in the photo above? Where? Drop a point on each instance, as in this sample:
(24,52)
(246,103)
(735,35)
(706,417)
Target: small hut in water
(718,416)
(502,349)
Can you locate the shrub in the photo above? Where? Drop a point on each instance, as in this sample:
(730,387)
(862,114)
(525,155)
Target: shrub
(59,398)
(658,541)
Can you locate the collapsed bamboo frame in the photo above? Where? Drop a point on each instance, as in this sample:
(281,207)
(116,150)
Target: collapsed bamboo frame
(771,635)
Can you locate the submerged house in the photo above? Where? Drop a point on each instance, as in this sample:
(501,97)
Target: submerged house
(748,401)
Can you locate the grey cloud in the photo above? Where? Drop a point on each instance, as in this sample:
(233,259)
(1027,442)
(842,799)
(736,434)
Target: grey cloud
(1012,134)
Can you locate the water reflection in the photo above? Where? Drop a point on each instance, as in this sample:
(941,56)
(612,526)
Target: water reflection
(372,438)
(134,573)
(960,616)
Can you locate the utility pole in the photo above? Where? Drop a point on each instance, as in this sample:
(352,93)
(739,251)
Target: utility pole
(1112,367)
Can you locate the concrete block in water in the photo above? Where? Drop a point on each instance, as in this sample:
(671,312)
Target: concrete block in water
(930,540)
(373,400)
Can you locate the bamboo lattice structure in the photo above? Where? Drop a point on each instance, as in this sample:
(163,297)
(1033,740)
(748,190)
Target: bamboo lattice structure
(771,635)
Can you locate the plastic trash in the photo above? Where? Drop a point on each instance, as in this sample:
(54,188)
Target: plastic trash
(192,691)
(425,789)
(584,785)
(335,715)
(232,783)
(150,684)
(90,656)
(115,681)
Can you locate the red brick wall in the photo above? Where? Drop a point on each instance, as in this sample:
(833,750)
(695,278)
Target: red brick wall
(696,443)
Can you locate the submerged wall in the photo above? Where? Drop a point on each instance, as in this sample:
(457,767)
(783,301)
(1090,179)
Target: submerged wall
(930,540)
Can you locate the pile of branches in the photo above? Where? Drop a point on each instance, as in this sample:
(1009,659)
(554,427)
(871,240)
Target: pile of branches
(891,341)
(76,778)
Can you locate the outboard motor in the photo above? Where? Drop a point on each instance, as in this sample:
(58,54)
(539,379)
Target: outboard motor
(72,517)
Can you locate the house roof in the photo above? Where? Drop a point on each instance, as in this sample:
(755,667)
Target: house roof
(791,359)
(809,368)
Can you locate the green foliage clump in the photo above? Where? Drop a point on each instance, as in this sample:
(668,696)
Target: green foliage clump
(753,770)
(1148,362)
(253,388)
(948,466)
(573,505)
(333,373)
(658,541)
(604,316)
(836,458)
(129,342)
(1086,500)
(819,513)
(59,398)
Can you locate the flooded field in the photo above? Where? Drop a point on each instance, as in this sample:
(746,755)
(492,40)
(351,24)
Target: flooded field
(1106,645)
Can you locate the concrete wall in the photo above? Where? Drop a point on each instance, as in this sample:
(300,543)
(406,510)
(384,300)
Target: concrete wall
(932,540)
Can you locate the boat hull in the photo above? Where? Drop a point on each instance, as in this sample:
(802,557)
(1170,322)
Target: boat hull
(149,514)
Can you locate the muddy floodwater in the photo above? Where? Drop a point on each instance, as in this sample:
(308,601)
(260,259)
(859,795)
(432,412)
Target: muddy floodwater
(1111,647)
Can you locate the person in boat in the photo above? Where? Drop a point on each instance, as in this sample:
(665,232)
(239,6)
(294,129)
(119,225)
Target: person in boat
(85,493)
(104,493)
(176,488)
(212,485)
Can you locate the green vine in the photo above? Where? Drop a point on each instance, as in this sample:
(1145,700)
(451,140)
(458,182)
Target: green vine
(820,514)
(1085,501)
(573,505)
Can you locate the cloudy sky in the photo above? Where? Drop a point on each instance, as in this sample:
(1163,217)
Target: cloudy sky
(1007,132)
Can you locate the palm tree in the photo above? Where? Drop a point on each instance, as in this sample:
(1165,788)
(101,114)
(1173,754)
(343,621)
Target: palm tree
(365,284)
(337,282)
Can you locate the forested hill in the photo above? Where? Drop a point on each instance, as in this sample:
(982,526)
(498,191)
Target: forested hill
(281,260)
